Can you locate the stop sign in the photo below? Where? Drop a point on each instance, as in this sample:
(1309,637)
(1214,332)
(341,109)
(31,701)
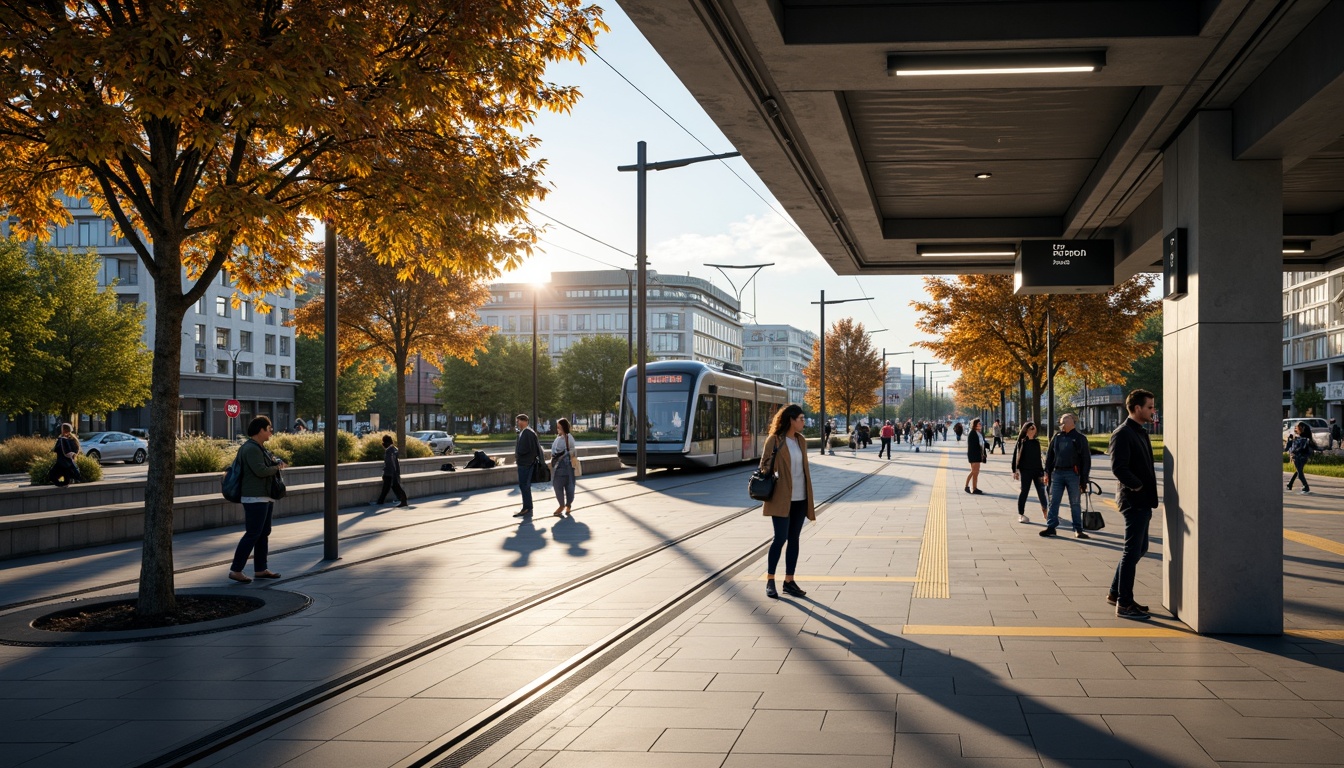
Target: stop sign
(232,408)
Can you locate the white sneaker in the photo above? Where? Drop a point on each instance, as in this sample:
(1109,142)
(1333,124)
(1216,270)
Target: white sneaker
(1023,519)
(1305,492)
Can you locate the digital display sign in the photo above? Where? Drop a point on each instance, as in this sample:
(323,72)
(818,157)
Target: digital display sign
(664,378)
(1065,266)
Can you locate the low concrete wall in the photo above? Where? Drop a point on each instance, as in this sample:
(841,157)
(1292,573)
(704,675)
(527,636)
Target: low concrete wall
(114,522)
(49,498)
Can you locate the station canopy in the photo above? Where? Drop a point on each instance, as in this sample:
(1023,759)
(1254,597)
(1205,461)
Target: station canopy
(933,137)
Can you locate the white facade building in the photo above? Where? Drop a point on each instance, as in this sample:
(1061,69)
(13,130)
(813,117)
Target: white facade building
(1313,338)
(779,353)
(689,319)
(214,335)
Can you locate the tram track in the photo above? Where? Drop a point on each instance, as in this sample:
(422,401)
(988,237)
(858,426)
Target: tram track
(5,607)
(480,732)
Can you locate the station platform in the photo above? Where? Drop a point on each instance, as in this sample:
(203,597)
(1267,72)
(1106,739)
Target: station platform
(937,630)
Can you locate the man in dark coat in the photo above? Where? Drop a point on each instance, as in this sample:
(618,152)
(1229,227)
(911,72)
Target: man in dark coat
(527,451)
(391,474)
(1132,464)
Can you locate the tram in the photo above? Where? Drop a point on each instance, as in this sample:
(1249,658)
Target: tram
(698,416)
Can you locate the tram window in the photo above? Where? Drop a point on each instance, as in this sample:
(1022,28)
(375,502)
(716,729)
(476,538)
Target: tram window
(730,422)
(704,419)
(667,416)
(765,413)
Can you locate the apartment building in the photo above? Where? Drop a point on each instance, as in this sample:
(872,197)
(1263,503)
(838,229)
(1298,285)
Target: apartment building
(779,353)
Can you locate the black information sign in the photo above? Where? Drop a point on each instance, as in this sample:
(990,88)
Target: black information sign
(1175,265)
(1065,266)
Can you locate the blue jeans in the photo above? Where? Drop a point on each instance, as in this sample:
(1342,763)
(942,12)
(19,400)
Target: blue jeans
(787,531)
(256,536)
(525,483)
(1136,546)
(1059,480)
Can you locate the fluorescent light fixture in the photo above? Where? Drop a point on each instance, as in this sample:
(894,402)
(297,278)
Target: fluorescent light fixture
(1296,246)
(994,63)
(984,175)
(967,250)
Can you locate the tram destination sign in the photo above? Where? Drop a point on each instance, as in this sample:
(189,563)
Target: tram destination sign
(1065,266)
(654,379)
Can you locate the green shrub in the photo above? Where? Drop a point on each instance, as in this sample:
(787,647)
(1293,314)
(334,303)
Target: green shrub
(91,470)
(17,453)
(371,447)
(203,454)
(839,441)
(308,449)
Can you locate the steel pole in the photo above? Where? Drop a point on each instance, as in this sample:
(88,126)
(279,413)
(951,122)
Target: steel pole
(1050,374)
(330,542)
(824,439)
(536,417)
(884,385)
(641,382)
(630,319)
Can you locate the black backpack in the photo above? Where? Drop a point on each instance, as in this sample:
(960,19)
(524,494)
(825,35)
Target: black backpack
(232,483)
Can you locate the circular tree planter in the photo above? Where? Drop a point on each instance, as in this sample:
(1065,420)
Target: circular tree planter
(207,610)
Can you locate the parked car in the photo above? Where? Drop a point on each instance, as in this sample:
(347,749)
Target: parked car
(439,442)
(143,434)
(114,446)
(1320,430)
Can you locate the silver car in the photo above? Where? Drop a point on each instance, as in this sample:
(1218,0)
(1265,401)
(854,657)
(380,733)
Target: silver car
(439,442)
(114,446)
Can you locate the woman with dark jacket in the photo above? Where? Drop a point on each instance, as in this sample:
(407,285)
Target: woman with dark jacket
(1028,468)
(785,455)
(1300,447)
(65,471)
(391,475)
(259,467)
(976,453)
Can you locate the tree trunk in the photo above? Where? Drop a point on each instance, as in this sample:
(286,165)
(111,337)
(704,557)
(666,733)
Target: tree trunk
(156,554)
(400,363)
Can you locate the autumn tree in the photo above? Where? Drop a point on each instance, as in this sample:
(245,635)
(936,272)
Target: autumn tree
(590,375)
(23,327)
(95,359)
(976,391)
(387,315)
(214,133)
(354,387)
(980,324)
(854,369)
(1146,373)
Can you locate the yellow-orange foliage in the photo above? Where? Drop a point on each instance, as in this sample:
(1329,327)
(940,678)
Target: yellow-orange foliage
(854,370)
(992,335)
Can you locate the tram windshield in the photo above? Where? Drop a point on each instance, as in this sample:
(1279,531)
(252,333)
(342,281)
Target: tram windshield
(668,411)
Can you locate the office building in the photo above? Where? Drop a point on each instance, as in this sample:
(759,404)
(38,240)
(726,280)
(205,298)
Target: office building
(225,349)
(779,353)
(689,319)
(1313,339)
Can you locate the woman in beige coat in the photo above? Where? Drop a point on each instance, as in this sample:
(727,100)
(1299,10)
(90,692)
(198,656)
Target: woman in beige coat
(792,502)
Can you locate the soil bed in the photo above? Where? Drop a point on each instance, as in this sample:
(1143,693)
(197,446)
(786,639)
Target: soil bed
(121,616)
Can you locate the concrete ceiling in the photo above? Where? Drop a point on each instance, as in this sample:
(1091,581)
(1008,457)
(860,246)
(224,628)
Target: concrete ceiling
(872,166)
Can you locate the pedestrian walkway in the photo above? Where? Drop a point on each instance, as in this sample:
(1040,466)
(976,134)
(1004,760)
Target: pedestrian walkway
(937,630)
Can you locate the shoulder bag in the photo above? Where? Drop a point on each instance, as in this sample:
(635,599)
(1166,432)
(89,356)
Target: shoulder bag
(762,484)
(278,489)
(1092,519)
(574,458)
(541,472)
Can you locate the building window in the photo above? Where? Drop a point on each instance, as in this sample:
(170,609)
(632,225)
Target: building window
(270,317)
(621,322)
(270,344)
(200,334)
(543,322)
(667,342)
(562,322)
(583,323)
(224,278)
(127,298)
(245,341)
(200,306)
(492,321)
(525,323)
(244,369)
(222,366)
(221,306)
(284,346)
(270,371)
(511,323)
(128,272)
(84,233)
(245,311)
(200,365)
(665,321)
(222,338)
(604,322)
(284,371)
(285,315)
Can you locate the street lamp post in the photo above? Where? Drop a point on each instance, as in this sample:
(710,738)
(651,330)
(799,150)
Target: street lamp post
(885,355)
(330,503)
(536,418)
(822,346)
(738,291)
(641,168)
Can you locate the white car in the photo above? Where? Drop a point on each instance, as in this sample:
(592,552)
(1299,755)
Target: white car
(114,446)
(1320,431)
(439,442)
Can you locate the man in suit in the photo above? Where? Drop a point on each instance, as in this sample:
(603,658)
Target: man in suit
(1132,464)
(527,451)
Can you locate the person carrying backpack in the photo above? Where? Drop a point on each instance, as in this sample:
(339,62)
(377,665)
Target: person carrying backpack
(259,468)
(1068,464)
(1299,448)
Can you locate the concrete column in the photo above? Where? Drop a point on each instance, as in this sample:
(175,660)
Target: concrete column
(1223,545)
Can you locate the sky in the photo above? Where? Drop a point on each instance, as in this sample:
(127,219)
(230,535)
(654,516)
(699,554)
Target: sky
(716,212)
